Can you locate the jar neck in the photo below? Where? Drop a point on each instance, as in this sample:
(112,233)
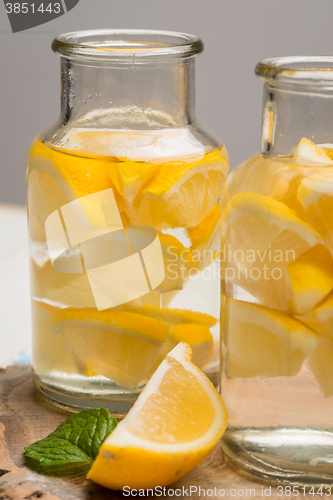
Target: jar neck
(133,96)
(291,112)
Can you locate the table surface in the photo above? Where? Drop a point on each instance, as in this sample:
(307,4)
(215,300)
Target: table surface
(15,319)
(25,418)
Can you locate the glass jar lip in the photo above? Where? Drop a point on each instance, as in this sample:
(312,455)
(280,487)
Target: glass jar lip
(127,45)
(315,71)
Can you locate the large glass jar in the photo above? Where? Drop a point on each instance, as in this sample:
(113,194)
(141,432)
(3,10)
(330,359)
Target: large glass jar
(277,248)
(124,210)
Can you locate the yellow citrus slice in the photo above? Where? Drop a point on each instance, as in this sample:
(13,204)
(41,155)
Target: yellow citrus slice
(175,423)
(278,177)
(178,264)
(315,193)
(311,276)
(130,176)
(205,237)
(299,286)
(320,363)
(267,177)
(176,316)
(120,345)
(323,313)
(50,351)
(62,289)
(192,327)
(57,177)
(198,337)
(262,342)
(183,193)
(309,154)
(313,323)
(260,231)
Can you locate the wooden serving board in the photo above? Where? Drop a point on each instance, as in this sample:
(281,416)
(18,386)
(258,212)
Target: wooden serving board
(25,418)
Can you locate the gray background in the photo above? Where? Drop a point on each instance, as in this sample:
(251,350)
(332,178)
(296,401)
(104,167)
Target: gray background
(236,34)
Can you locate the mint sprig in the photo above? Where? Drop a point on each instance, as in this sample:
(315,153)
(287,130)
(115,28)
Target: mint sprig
(75,440)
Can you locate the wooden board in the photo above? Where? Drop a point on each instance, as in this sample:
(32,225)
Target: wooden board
(25,417)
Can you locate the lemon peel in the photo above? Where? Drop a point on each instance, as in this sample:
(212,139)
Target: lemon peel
(172,427)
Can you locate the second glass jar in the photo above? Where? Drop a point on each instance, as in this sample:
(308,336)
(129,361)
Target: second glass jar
(277,249)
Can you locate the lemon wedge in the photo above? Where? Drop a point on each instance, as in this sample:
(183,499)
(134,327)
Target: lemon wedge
(120,345)
(302,284)
(315,193)
(262,342)
(183,193)
(130,177)
(311,277)
(192,327)
(308,153)
(323,313)
(260,231)
(50,353)
(313,323)
(57,177)
(198,337)
(205,237)
(179,264)
(266,176)
(172,427)
(175,316)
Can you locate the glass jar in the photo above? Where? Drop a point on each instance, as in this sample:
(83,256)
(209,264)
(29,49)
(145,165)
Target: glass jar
(124,210)
(277,248)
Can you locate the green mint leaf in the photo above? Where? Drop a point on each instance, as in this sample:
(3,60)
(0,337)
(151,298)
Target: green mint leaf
(75,440)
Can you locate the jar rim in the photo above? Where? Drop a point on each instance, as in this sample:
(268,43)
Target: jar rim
(315,71)
(127,45)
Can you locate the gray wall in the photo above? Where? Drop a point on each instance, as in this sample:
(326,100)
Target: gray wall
(236,33)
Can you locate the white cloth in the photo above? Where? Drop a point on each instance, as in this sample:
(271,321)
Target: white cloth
(15,315)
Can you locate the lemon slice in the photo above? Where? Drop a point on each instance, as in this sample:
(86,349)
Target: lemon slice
(183,193)
(120,345)
(198,337)
(77,175)
(179,264)
(130,177)
(313,323)
(266,176)
(57,177)
(315,193)
(192,327)
(62,289)
(262,342)
(302,284)
(324,314)
(311,277)
(50,351)
(175,316)
(256,231)
(308,153)
(205,237)
(172,427)
(320,363)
